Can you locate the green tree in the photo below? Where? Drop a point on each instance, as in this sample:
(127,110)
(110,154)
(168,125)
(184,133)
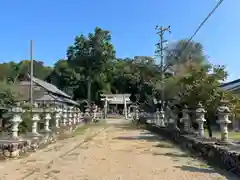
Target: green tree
(18,71)
(91,56)
(181,53)
(64,77)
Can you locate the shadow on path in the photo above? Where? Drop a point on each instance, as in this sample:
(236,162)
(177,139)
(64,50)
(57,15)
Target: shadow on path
(127,126)
(164,145)
(171,154)
(207,170)
(196,169)
(147,137)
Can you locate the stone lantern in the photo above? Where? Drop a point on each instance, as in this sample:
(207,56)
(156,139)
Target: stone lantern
(70,116)
(136,114)
(200,119)
(99,113)
(65,116)
(223,119)
(94,112)
(105,107)
(47,118)
(36,111)
(87,112)
(58,111)
(16,120)
(78,115)
(186,119)
(75,116)
(162,118)
(157,120)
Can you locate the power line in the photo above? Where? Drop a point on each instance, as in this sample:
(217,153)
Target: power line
(203,22)
(161,30)
(31,72)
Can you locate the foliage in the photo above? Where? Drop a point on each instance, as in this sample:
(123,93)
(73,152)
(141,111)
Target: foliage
(9,94)
(26,124)
(91,69)
(13,72)
(90,58)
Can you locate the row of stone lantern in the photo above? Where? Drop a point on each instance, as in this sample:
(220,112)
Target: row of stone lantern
(66,116)
(160,119)
(223,113)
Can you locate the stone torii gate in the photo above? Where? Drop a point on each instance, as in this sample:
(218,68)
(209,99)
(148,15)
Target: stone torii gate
(116,99)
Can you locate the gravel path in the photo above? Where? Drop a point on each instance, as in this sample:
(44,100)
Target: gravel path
(109,153)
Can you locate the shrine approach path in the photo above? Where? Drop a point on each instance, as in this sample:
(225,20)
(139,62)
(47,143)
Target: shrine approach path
(112,151)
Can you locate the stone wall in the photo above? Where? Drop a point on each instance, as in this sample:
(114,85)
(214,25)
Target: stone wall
(225,156)
(12,148)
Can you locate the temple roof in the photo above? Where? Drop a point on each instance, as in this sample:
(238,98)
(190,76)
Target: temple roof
(50,87)
(52,98)
(231,86)
(44,91)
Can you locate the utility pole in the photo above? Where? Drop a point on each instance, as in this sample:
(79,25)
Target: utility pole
(159,51)
(31,72)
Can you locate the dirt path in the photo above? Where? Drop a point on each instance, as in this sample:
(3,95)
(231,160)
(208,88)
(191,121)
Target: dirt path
(109,153)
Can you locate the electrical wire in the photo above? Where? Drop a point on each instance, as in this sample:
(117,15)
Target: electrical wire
(202,23)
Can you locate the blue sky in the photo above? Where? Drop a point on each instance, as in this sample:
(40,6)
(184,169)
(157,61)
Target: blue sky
(53,25)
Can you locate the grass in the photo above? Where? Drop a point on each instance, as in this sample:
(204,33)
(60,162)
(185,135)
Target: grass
(82,129)
(204,165)
(164,145)
(79,131)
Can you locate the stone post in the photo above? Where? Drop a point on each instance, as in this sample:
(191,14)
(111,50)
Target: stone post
(162,118)
(70,116)
(65,116)
(136,114)
(223,119)
(35,119)
(129,110)
(105,108)
(16,120)
(57,116)
(87,112)
(94,113)
(186,119)
(74,116)
(125,107)
(79,116)
(47,118)
(157,119)
(200,119)
(99,113)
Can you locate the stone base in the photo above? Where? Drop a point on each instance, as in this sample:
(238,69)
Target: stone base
(12,148)
(223,143)
(34,135)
